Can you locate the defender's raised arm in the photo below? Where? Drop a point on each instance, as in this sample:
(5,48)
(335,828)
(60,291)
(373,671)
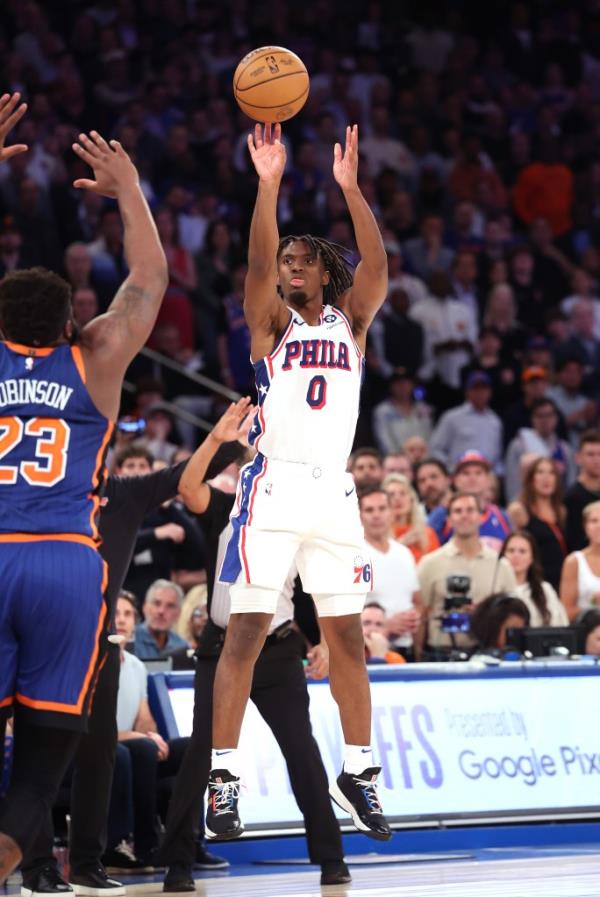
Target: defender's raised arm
(370,278)
(264,310)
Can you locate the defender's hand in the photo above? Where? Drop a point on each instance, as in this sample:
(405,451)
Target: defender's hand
(227,428)
(268,153)
(345,167)
(114,171)
(10,114)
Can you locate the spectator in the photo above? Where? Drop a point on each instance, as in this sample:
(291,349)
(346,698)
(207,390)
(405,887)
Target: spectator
(365,465)
(401,415)
(396,587)
(416,449)
(377,644)
(159,427)
(433,484)
(540,510)
(398,279)
(583,343)
(144,755)
(383,151)
(155,637)
(540,439)
(234,336)
(544,189)
(584,289)
(501,313)
(535,383)
(11,248)
(408,520)
(184,658)
(472,423)
(396,339)
(464,555)
(77,265)
(472,474)
(85,305)
(109,267)
(502,370)
(580,580)
(398,462)
(578,410)
(589,624)
(491,620)
(543,603)
(464,281)
(214,266)
(426,254)
(585,490)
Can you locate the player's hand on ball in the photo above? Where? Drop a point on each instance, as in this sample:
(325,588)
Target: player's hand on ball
(113,169)
(345,165)
(10,114)
(267,152)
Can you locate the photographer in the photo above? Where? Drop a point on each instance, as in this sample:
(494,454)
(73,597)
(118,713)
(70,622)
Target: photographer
(464,555)
(491,620)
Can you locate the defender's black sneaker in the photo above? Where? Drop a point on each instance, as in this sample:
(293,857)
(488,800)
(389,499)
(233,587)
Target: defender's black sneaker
(179,879)
(222,819)
(335,873)
(94,882)
(206,860)
(45,881)
(357,795)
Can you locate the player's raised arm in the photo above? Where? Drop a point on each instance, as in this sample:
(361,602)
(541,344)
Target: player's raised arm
(264,310)
(110,341)
(370,278)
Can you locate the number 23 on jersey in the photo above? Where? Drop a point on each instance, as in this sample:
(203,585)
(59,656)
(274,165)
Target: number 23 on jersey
(49,465)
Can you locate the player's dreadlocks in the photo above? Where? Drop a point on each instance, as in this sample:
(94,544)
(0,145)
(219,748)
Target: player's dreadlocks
(336,261)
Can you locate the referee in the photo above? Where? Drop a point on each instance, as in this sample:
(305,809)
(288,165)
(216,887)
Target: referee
(125,503)
(279,692)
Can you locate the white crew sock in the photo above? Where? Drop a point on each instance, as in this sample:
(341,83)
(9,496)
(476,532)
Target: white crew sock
(225,758)
(357,758)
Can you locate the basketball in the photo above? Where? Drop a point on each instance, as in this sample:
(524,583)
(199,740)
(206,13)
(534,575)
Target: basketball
(271,84)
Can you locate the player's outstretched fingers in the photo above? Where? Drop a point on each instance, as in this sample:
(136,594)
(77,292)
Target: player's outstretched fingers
(84,154)
(118,148)
(90,146)
(100,141)
(258,136)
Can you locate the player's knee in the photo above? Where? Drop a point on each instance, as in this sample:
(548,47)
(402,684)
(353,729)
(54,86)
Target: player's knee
(246,633)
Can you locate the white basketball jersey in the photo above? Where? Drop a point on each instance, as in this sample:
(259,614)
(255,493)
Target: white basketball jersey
(308,392)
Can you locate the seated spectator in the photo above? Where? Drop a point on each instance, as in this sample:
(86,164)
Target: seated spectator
(473,173)
(155,637)
(85,305)
(583,288)
(539,509)
(401,415)
(416,450)
(433,484)
(398,279)
(580,580)
(234,336)
(472,423)
(585,490)
(473,475)
(492,618)
(464,279)
(465,554)
(377,644)
(533,200)
(160,428)
(109,267)
(540,439)
(143,757)
(395,338)
(426,254)
(583,343)
(578,410)
(535,381)
(503,371)
(395,584)
(214,266)
(545,608)
(365,465)
(183,658)
(398,462)
(78,265)
(501,313)
(589,623)
(408,520)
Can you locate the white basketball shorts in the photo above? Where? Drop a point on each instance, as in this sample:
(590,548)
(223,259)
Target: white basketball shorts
(286,512)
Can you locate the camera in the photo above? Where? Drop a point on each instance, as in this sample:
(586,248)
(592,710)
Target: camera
(457,595)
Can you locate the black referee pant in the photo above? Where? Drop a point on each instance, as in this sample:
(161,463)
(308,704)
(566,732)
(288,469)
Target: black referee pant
(280,694)
(93,767)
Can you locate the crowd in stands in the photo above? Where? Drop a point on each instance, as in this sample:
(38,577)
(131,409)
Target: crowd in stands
(478,132)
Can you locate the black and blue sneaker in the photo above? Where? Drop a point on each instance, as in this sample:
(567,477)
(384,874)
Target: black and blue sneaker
(222,819)
(357,795)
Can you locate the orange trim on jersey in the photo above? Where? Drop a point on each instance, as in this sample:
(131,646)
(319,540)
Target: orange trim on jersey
(57,706)
(34,351)
(78,362)
(49,537)
(6,702)
(96,477)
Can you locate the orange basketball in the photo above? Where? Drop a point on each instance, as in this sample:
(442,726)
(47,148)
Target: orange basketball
(271,84)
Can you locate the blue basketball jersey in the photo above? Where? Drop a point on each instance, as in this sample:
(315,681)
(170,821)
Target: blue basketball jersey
(53,442)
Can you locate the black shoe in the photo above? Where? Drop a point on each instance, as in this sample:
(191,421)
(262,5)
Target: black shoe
(222,820)
(121,859)
(335,873)
(179,878)
(357,795)
(206,860)
(45,881)
(94,882)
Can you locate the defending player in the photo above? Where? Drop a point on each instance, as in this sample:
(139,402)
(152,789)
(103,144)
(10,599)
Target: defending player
(59,396)
(296,501)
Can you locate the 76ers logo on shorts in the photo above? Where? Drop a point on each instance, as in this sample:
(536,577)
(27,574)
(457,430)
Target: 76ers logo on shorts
(362,571)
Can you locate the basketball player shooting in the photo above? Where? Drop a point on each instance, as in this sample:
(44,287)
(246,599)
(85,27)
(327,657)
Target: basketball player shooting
(308,319)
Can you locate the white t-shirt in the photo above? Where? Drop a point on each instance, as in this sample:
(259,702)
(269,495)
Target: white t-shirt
(133,688)
(394,581)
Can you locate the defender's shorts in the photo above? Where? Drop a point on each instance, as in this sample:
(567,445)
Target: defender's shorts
(52,614)
(287,512)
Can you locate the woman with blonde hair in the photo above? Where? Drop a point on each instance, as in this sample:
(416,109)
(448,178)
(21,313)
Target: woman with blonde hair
(580,580)
(410,527)
(539,509)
